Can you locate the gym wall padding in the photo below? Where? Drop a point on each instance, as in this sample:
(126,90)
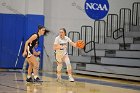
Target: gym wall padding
(14,29)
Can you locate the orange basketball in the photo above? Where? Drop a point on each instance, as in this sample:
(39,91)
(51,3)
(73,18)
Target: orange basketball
(80,44)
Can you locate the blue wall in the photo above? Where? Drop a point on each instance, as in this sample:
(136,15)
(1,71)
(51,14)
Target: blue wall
(15,28)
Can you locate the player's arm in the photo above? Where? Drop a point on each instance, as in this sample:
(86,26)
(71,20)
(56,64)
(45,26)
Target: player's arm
(71,42)
(56,47)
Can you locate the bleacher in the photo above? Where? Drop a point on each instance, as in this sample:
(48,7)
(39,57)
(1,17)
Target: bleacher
(112,46)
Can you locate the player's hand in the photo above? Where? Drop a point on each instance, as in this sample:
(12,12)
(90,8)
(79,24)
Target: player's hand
(63,47)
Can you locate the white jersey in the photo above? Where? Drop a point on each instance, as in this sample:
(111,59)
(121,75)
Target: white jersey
(63,41)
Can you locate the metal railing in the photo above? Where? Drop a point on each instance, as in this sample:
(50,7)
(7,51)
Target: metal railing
(112,24)
(87,34)
(136,14)
(92,48)
(74,35)
(125,19)
(120,36)
(99,31)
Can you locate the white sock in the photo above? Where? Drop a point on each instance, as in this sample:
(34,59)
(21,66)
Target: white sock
(28,76)
(70,75)
(35,76)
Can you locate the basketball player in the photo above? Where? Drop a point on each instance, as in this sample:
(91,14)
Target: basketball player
(60,44)
(28,53)
(36,53)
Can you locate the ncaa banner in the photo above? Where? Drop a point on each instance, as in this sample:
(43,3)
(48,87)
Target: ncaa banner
(96,9)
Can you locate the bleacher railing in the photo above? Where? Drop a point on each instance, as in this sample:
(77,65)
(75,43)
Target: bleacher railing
(125,19)
(87,35)
(112,24)
(92,48)
(120,36)
(99,31)
(74,35)
(136,14)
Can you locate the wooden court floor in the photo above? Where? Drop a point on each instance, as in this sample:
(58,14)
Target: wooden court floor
(14,82)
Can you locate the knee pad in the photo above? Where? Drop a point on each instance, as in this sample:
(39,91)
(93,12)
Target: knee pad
(68,64)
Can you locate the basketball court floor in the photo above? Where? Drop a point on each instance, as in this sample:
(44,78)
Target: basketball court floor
(14,82)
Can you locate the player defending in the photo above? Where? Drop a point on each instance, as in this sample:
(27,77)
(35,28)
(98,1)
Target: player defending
(28,53)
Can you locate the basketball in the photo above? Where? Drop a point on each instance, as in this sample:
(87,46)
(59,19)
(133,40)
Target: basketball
(80,44)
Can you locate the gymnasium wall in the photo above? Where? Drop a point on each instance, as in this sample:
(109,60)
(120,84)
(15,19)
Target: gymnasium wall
(19,19)
(71,15)
(57,13)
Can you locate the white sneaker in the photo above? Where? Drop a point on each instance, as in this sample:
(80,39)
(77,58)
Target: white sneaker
(71,79)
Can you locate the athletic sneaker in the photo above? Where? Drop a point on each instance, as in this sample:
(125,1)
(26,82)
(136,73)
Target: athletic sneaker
(71,79)
(29,79)
(37,79)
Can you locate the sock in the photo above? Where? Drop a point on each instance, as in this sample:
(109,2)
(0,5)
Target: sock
(70,75)
(35,76)
(28,76)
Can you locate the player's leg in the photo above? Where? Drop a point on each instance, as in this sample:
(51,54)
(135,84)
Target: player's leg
(30,67)
(24,65)
(33,60)
(69,68)
(38,60)
(58,57)
(59,68)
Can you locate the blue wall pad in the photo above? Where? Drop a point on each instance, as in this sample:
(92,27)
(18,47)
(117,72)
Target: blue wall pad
(14,29)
